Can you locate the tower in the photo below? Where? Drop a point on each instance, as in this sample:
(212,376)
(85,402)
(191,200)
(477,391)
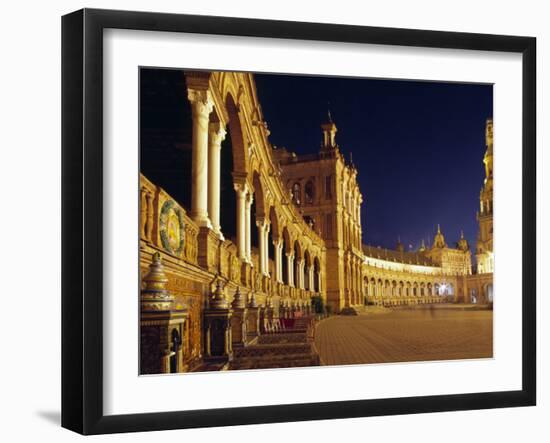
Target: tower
(328,145)
(332,204)
(484,250)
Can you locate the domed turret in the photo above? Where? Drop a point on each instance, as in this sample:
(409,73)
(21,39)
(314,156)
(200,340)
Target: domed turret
(439,240)
(462,244)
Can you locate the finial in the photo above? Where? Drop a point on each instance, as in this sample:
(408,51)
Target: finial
(154,295)
(252,300)
(438,229)
(328,112)
(238,301)
(218,299)
(461,234)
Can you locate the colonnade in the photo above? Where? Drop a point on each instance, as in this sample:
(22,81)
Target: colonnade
(208,133)
(391,289)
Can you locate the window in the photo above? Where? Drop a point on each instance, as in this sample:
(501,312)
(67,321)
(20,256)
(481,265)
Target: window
(328,226)
(296,194)
(309,192)
(328,187)
(310,221)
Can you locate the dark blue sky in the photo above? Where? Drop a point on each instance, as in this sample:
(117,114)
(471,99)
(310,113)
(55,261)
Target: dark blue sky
(418,147)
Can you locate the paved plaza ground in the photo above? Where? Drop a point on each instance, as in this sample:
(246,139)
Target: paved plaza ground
(398,335)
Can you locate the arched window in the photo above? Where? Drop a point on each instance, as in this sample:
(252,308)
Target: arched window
(296,194)
(310,221)
(309,192)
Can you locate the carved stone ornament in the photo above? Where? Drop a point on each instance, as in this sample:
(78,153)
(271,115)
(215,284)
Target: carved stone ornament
(154,295)
(218,300)
(238,300)
(172,228)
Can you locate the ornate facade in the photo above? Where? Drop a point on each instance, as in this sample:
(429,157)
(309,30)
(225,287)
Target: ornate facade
(324,188)
(266,235)
(440,273)
(273,259)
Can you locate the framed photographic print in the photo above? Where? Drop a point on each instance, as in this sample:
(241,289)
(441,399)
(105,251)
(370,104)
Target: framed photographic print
(270,221)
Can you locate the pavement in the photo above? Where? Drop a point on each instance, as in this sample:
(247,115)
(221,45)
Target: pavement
(389,335)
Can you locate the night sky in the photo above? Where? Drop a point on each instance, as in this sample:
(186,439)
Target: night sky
(418,147)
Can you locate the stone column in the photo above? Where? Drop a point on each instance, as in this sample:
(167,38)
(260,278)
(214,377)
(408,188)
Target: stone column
(290,266)
(262,245)
(240,189)
(278,246)
(216,134)
(248,233)
(311,278)
(266,243)
(319,281)
(300,279)
(201,106)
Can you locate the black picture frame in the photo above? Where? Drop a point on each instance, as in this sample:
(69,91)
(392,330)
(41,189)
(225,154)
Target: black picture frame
(82,216)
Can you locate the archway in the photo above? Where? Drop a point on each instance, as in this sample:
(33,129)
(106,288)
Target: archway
(489,293)
(175,344)
(228,196)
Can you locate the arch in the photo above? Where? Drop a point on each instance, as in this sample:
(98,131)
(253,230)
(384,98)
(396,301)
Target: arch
(287,241)
(298,250)
(175,344)
(236,130)
(259,195)
(488,292)
(450,289)
(275,225)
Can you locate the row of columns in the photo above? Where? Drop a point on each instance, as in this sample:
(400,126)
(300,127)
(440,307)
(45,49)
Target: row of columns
(205,198)
(406,291)
(205,175)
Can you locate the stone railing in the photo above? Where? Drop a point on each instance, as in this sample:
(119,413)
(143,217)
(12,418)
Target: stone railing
(165,224)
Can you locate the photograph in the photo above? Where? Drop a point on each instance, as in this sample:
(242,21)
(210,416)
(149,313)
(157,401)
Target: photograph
(291,221)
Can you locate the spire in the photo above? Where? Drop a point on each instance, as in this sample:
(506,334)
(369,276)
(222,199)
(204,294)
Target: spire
(422,246)
(399,247)
(329,116)
(329,134)
(438,229)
